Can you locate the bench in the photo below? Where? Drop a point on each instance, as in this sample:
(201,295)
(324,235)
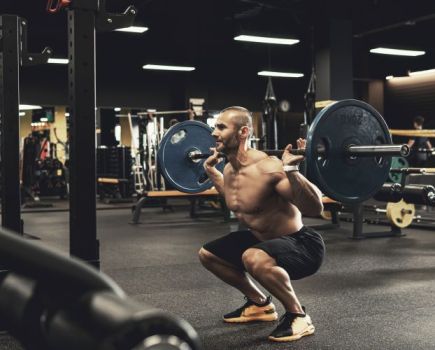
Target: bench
(163,196)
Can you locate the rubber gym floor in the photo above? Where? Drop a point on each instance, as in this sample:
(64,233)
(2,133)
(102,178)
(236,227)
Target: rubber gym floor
(369,294)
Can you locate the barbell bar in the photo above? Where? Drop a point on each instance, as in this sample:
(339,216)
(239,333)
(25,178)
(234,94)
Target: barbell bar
(413,170)
(161,113)
(184,111)
(348,152)
(413,133)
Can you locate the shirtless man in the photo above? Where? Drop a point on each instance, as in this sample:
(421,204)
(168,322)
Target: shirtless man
(267,195)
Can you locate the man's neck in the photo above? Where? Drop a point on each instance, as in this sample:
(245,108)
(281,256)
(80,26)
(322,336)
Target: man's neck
(239,158)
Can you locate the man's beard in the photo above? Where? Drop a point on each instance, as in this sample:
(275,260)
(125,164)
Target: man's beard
(228,146)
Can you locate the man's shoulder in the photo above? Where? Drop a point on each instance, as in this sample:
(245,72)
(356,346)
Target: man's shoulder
(258,156)
(269,164)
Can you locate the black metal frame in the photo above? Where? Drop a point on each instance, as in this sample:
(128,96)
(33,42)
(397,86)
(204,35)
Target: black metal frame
(10,125)
(81,84)
(358,220)
(13,55)
(84,18)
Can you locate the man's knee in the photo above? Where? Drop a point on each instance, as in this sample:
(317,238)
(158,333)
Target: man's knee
(256,261)
(205,257)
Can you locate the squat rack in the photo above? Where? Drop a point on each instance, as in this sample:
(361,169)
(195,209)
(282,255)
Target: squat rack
(84,18)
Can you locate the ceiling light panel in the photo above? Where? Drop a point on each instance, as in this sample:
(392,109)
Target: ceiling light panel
(164,67)
(396,52)
(266,40)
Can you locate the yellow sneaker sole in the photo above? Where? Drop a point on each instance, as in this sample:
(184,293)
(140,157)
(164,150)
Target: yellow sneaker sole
(308,331)
(243,319)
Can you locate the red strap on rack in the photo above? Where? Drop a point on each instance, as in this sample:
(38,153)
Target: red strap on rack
(59,4)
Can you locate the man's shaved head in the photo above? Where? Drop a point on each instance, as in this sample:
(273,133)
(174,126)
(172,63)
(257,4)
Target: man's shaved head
(240,117)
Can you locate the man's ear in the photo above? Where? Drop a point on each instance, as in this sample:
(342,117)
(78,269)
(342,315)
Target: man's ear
(244,131)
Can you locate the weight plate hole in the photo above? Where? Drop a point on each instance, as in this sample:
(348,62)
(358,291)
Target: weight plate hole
(178,137)
(203,178)
(192,152)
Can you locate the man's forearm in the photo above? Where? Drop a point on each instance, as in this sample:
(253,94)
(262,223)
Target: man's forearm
(217,178)
(306,196)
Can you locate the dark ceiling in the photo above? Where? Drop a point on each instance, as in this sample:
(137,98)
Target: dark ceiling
(200,33)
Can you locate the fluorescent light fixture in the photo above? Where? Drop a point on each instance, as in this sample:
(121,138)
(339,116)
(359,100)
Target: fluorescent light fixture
(22,114)
(266,73)
(163,67)
(396,52)
(389,77)
(422,72)
(266,40)
(132,29)
(58,60)
(117,109)
(29,107)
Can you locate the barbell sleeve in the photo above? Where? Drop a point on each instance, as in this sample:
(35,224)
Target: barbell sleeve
(379,150)
(353,150)
(412,170)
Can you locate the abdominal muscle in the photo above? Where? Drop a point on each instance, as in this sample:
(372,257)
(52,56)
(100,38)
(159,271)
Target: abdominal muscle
(251,196)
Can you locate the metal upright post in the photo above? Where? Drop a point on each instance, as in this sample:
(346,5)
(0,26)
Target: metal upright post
(9,102)
(84,16)
(81,38)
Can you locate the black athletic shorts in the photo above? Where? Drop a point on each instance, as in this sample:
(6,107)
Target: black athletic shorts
(300,253)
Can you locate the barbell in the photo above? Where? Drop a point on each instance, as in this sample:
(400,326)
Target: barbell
(348,152)
(413,133)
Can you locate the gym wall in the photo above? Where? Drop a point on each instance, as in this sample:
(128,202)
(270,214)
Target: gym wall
(408,97)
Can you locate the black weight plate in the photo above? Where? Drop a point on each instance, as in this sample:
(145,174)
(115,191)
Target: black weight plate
(341,124)
(177,168)
(397,163)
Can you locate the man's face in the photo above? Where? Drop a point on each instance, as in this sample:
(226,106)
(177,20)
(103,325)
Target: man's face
(226,134)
